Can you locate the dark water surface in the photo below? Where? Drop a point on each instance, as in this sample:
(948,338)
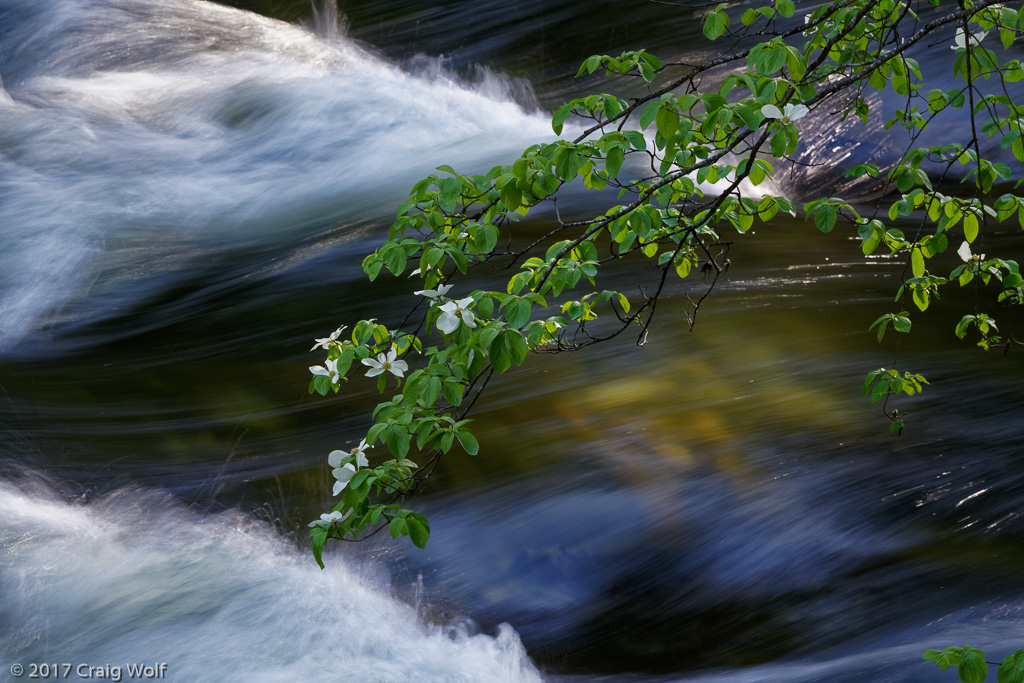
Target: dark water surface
(186,193)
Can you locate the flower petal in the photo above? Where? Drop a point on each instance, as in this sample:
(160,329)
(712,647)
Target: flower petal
(319,370)
(771,111)
(345,472)
(375,371)
(398,367)
(964,252)
(343,476)
(447,322)
(796,111)
(335,458)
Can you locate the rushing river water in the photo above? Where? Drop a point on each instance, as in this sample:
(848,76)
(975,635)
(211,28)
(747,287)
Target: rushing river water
(186,193)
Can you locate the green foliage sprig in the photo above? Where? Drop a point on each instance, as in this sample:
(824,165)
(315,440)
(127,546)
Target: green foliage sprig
(733,123)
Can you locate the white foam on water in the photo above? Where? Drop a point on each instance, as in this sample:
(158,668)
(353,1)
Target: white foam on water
(140,133)
(135,578)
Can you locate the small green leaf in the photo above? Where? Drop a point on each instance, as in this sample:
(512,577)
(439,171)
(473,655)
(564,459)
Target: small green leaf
(1011,669)
(501,358)
(715,24)
(921,297)
(418,533)
(917,262)
(468,441)
(970,226)
(825,217)
(319,535)
(667,122)
(452,390)
(973,668)
(397,527)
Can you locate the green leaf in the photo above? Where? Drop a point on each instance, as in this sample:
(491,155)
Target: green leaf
(511,196)
(917,262)
(715,24)
(961,327)
(779,143)
(970,226)
(468,441)
(501,357)
(877,80)
(668,123)
(872,236)
(398,439)
(450,191)
(397,527)
(1011,669)
(920,297)
(394,257)
(905,180)
(517,311)
(973,668)
(613,161)
(825,217)
(452,390)
(649,113)
(517,346)
(567,163)
(430,389)
(796,63)
(563,112)
(319,535)
(418,532)
(871,376)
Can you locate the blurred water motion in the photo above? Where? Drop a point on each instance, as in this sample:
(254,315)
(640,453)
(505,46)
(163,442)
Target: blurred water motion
(186,194)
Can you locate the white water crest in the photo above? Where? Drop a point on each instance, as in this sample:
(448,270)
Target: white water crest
(137,136)
(135,578)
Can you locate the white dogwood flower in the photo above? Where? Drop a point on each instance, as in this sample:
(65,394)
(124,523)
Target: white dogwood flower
(960,43)
(326,341)
(386,363)
(790,113)
(329,519)
(343,475)
(448,321)
(330,371)
(965,253)
(434,293)
(335,457)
